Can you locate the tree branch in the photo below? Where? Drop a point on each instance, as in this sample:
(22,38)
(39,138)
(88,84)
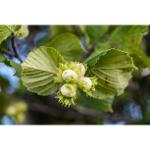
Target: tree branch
(7,52)
(77,30)
(89,52)
(13,43)
(84,43)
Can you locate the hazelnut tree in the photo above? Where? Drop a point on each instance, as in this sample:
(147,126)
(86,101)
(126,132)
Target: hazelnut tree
(97,67)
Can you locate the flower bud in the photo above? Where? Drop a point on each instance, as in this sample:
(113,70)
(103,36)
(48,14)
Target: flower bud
(81,69)
(68,90)
(69,75)
(87,83)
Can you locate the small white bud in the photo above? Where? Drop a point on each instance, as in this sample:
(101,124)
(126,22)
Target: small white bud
(68,90)
(87,82)
(81,69)
(69,75)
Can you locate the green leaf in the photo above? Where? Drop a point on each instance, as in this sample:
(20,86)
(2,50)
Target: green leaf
(94,57)
(4,83)
(22,32)
(39,70)
(113,71)
(6,31)
(95,32)
(14,65)
(68,45)
(99,105)
(1,58)
(17,67)
(129,39)
(4,103)
(56,30)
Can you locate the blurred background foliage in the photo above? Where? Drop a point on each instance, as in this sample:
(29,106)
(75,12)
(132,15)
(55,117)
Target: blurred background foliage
(18,106)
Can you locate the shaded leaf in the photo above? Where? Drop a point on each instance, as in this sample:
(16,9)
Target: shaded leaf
(100,105)
(4,83)
(95,32)
(3,103)
(126,37)
(68,45)
(129,39)
(56,30)
(1,58)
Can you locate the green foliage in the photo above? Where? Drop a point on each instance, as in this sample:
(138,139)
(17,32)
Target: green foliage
(109,66)
(129,39)
(39,69)
(1,58)
(59,29)
(113,70)
(17,110)
(99,105)
(6,31)
(95,32)
(14,65)
(22,32)
(68,45)
(4,103)
(3,83)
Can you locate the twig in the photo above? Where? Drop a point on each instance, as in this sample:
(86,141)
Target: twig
(85,45)
(100,115)
(13,43)
(89,52)
(75,113)
(7,52)
(80,34)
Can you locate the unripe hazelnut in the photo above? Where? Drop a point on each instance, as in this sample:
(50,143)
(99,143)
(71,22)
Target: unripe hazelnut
(69,75)
(87,82)
(68,90)
(82,69)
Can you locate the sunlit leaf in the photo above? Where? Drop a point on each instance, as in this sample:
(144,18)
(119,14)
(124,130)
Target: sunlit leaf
(39,69)
(113,70)
(6,31)
(22,32)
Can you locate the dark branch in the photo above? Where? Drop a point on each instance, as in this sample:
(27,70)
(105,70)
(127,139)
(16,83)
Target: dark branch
(7,52)
(13,43)
(77,30)
(84,43)
(89,52)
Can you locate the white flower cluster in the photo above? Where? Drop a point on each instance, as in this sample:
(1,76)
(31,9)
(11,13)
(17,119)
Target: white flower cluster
(69,75)
(68,89)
